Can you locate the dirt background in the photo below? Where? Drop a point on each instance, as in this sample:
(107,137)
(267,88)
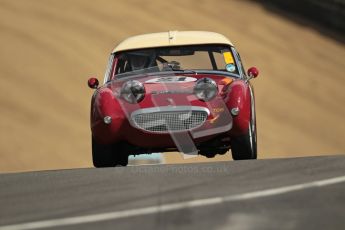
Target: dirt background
(49,48)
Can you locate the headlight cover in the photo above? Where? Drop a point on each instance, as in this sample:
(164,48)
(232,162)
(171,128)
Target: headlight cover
(133,91)
(205,89)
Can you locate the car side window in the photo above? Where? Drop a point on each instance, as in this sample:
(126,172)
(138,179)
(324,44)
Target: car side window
(239,62)
(108,71)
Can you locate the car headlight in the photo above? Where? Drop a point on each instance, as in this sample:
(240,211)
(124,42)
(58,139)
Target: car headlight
(205,89)
(133,91)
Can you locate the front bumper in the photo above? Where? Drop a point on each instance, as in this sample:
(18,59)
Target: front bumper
(163,127)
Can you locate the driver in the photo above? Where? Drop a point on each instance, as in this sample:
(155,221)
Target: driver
(139,61)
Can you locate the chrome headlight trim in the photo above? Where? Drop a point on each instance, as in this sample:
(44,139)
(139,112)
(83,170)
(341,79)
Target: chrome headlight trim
(133,91)
(205,89)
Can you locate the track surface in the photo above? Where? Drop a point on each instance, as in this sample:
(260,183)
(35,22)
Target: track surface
(45,195)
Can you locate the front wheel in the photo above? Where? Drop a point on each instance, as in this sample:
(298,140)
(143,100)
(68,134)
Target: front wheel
(245,147)
(108,155)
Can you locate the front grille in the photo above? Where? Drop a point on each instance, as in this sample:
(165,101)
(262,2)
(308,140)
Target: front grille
(170,120)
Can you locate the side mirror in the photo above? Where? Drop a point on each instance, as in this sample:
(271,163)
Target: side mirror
(93,83)
(253,72)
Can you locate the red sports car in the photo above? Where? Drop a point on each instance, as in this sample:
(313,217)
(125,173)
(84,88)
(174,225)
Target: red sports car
(173,91)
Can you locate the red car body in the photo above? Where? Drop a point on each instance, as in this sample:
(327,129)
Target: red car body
(121,128)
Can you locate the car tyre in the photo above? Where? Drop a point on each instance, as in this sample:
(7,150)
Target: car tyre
(108,155)
(245,147)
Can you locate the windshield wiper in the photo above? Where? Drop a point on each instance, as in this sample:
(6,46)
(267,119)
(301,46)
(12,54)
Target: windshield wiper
(186,71)
(191,71)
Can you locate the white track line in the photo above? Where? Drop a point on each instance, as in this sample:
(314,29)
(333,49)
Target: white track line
(169,207)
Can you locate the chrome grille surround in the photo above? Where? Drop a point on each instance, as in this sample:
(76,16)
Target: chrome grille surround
(169,118)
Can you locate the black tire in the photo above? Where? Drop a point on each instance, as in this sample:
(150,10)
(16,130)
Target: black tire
(245,147)
(108,155)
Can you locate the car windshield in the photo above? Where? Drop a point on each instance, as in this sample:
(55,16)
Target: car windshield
(197,58)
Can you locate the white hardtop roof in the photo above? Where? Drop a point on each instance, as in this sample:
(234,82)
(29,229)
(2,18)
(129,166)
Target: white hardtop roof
(171,38)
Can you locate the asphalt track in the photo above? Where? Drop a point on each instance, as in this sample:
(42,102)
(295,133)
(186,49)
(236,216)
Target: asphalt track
(295,193)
